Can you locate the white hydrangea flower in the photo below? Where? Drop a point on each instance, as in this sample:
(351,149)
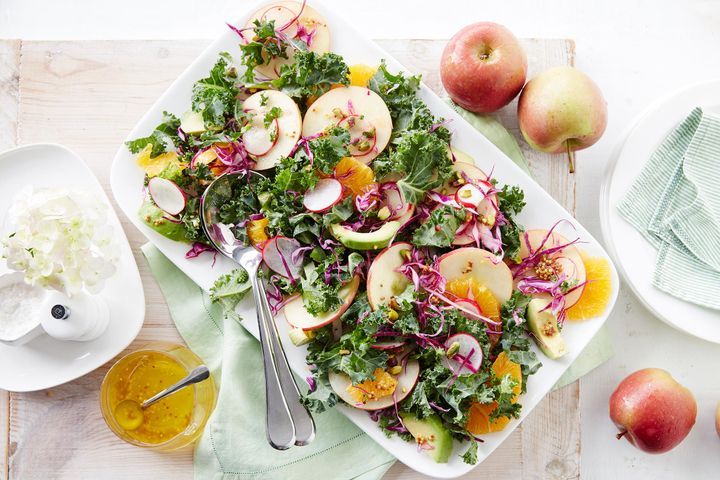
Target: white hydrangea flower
(60,239)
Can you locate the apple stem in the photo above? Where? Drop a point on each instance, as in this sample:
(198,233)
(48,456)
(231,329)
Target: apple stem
(570,156)
(621,434)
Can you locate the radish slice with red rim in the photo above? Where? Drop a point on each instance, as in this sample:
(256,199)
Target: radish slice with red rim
(469,195)
(363,136)
(468,356)
(167,195)
(278,256)
(387,345)
(259,139)
(326,193)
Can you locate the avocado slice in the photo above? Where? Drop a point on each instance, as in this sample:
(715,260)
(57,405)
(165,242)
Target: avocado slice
(192,123)
(368,240)
(432,432)
(154,218)
(299,337)
(544,326)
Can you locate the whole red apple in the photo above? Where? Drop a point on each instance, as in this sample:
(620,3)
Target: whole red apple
(483,67)
(717,419)
(652,410)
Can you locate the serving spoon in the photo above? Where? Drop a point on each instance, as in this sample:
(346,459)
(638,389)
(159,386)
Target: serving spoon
(129,413)
(287,421)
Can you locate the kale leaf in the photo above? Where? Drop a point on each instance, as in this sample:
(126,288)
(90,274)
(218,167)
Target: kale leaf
(511,201)
(162,138)
(264,46)
(329,149)
(438,230)
(229,289)
(215,96)
(310,75)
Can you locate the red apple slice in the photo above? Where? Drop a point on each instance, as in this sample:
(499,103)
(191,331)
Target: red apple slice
(481,265)
(309,20)
(277,254)
(569,258)
(389,345)
(285,19)
(407,379)
(167,195)
(326,193)
(383,279)
(286,128)
(298,317)
(342,102)
(468,357)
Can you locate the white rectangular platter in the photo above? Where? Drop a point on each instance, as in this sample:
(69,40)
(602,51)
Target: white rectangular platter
(541,211)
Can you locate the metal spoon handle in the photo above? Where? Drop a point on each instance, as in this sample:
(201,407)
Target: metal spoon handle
(197,375)
(280,429)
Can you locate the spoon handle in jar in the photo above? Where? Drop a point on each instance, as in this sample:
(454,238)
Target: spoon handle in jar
(197,375)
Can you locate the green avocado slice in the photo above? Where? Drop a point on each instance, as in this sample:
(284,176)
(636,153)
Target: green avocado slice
(431,432)
(544,326)
(365,240)
(154,218)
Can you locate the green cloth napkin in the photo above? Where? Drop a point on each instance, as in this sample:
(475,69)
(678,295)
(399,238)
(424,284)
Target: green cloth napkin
(600,348)
(675,204)
(233,446)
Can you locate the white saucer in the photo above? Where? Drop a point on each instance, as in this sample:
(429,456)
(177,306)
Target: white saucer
(635,256)
(45,362)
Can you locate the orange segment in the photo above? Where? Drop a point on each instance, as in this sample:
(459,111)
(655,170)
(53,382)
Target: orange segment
(154,165)
(256,231)
(361,74)
(383,385)
(596,295)
(354,175)
(479,422)
(472,289)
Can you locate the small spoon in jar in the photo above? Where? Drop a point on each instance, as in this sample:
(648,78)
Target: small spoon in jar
(129,413)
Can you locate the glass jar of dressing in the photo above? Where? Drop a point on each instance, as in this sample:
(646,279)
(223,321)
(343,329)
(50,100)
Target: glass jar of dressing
(173,422)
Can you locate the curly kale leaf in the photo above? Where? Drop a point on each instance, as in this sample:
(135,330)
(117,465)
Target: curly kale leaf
(515,340)
(311,75)
(511,201)
(423,160)
(229,289)
(400,94)
(215,96)
(470,456)
(163,138)
(264,46)
(439,229)
(329,149)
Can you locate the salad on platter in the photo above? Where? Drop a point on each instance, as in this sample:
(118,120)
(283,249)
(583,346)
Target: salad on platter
(392,256)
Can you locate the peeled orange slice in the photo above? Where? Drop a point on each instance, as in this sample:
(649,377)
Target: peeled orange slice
(471,288)
(154,165)
(479,422)
(361,74)
(354,175)
(256,231)
(596,295)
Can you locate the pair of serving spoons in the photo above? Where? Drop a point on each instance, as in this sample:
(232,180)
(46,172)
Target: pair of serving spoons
(287,421)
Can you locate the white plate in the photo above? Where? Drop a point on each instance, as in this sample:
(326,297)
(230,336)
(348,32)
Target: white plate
(542,211)
(632,252)
(46,362)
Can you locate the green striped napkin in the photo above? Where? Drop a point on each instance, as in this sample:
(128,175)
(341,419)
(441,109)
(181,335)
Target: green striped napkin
(675,204)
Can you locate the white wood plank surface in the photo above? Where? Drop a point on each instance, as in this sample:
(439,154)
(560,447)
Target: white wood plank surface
(88,95)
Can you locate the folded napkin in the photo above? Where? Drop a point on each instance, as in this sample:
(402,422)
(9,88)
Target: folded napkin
(234,446)
(675,204)
(600,348)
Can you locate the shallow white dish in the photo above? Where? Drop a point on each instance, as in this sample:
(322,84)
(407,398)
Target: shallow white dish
(634,255)
(542,211)
(45,362)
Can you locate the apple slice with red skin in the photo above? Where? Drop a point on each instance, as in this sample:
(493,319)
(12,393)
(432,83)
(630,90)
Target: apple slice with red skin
(407,379)
(339,103)
(569,259)
(481,265)
(310,19)
(383,279)
(267,149)
(298,317)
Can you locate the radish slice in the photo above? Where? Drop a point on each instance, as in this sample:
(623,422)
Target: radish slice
(468,357)
(283,17)
(277,255)
(469,195)
(326,193)
(363,137)
(259,140)
(470,306)
(167,195)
